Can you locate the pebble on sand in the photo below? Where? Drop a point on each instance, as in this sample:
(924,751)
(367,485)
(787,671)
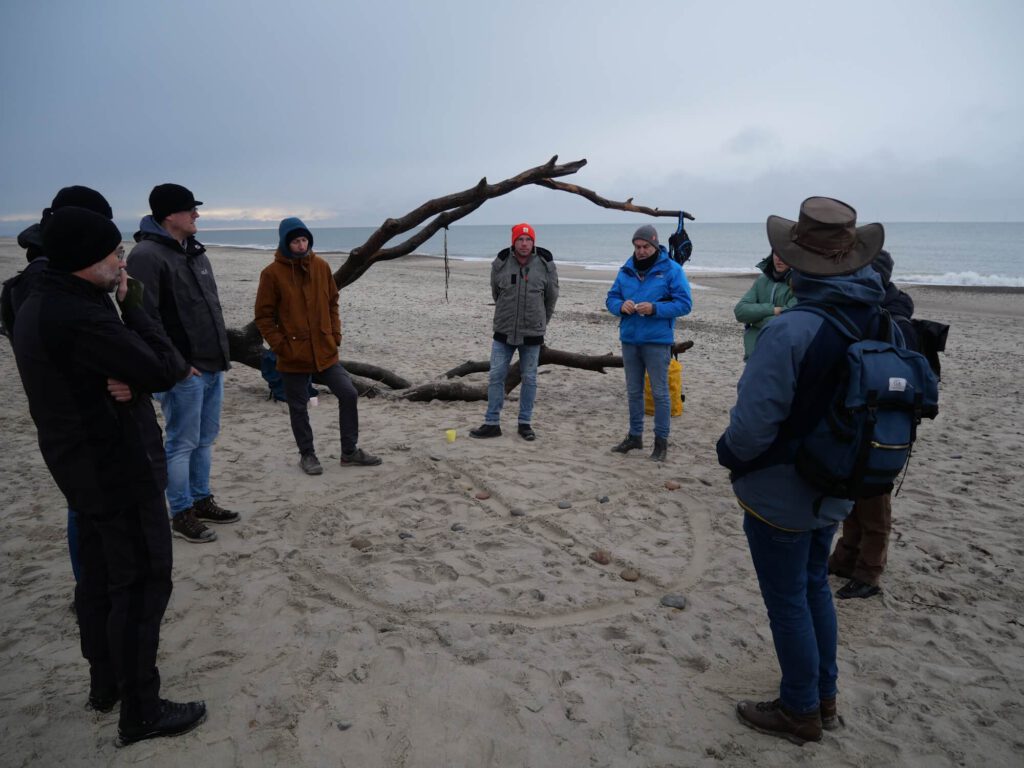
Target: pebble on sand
(564,504)
(361,543)
(405,535)
(603,499)
(672,485)
(458,527)
(674,601)
(601,556)
(517,512)
(483,495)
(630,574)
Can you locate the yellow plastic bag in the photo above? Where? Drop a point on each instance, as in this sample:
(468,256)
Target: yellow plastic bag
(675,389)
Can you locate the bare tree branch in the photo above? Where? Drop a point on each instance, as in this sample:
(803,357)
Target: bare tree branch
(595,198)
(466,201)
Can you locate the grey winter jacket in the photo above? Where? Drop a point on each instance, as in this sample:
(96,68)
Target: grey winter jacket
(181,294)
(524,296)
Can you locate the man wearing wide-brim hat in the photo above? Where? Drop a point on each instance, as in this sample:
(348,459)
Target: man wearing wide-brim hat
(784,391)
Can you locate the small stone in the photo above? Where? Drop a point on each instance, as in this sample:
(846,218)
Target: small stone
(405,535)
(483,495)
(458,527)
(564,504)
(434,458)
(601,556)
(343,726)
(537,595)
(630,574)
(603,499)
(674,601)
(672,485)
(361,543)
(517,512)
(956,456)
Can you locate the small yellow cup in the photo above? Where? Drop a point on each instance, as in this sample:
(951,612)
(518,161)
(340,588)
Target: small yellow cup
(450,434)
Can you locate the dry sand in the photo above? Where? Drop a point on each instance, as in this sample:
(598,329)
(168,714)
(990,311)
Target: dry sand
(503,644)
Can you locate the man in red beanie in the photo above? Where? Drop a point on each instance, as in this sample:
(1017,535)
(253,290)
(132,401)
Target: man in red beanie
(524,283)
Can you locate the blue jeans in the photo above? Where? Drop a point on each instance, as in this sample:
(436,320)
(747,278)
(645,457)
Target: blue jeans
(792,570)
(501,356)
(192,421)
(652,359)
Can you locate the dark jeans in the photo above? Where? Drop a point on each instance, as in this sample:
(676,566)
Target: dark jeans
(120,598)
(863,548)
(296,392)
(792,571)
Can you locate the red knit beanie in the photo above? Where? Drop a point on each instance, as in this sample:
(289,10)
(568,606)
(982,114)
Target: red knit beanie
(523,229)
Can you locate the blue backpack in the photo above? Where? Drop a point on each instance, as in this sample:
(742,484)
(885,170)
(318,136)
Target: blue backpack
(862,443)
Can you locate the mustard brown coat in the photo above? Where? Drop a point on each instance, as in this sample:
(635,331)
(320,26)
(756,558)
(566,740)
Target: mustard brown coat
(297,313)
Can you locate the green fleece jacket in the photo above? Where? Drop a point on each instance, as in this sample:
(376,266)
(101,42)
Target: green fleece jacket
(757,307)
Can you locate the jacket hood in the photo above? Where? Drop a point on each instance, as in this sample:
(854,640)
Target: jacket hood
(149,229)
(861,287)
(767,267)
(287,227)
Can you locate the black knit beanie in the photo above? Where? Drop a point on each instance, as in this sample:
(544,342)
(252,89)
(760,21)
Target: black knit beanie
(166,199)
(75,238)
(80,197)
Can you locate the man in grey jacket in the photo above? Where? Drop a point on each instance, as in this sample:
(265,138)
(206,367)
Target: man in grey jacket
(181,294)
(524,283)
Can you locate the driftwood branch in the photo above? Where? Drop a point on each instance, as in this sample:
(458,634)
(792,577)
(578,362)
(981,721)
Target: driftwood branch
(595,198)
(450,207)
(456,390)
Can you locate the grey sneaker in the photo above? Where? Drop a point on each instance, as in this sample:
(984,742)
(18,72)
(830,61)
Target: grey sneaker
(185,526)
(359,458)
(311,464)
(209,510)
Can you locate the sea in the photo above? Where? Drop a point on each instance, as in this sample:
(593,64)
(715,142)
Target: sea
(971,254)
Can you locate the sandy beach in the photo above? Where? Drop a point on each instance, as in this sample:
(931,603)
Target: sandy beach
(465,635)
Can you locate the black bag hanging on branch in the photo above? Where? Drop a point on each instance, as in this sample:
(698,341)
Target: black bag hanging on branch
(679,245)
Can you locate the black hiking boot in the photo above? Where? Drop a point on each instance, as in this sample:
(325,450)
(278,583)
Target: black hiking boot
(185,526)
(526,432)
(209,510)
(310,464)
(359,458)
(486,430)
(173,720)
(857,588)
(660,448)
(627,445)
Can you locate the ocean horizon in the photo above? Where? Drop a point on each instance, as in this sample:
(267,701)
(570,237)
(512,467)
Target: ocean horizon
(946,253)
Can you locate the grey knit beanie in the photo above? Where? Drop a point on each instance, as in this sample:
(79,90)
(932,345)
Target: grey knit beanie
(648,234)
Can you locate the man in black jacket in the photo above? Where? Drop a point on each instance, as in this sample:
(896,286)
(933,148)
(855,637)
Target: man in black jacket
(106,457)
(181,295)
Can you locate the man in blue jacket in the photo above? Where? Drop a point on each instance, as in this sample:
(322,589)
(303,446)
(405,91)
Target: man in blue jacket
(784,392)
(649,293)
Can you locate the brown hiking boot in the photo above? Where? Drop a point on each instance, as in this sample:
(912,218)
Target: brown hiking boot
(829,715)
(185,526)
(772,718)
(209,510)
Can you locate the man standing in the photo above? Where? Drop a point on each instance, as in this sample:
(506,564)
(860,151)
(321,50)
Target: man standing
(524,284)
(181,294)
(297,313)
(105,456)
(784,392)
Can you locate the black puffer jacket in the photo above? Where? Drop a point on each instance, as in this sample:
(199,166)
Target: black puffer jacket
(181,294)
(69,340)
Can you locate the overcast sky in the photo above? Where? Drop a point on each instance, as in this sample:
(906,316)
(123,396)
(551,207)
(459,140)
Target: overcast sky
(345,113)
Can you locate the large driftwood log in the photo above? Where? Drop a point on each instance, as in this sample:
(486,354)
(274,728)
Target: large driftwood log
(457,390)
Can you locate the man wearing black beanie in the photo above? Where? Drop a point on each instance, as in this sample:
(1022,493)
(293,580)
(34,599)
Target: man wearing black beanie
(181,294)
(106,457)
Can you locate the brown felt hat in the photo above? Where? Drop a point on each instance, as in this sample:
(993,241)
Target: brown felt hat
(825,240)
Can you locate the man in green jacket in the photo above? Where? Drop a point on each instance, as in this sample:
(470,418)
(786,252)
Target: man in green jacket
(768,297)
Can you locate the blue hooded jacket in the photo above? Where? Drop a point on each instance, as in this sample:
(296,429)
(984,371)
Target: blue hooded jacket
(784,390)
(665,286)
